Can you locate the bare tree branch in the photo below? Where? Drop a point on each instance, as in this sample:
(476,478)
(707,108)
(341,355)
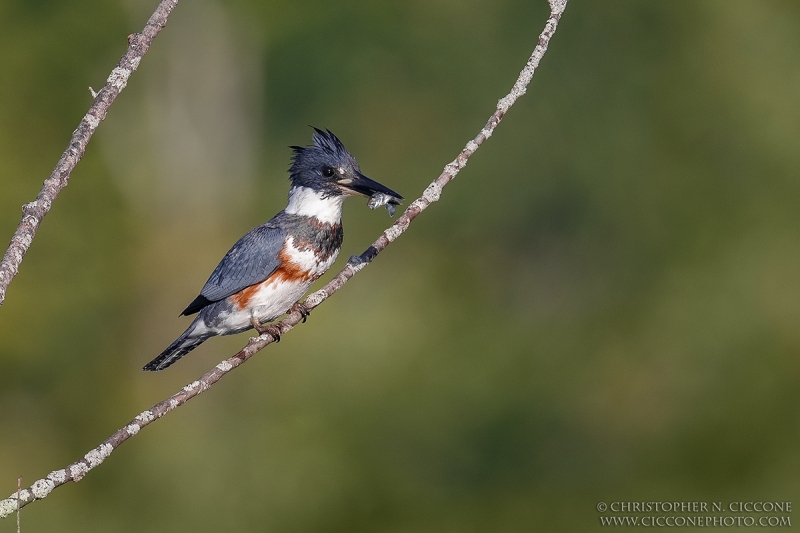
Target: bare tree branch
(19,490)
(74,472)
(33,212)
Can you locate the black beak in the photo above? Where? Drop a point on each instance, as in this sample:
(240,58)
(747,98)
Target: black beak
(358,184)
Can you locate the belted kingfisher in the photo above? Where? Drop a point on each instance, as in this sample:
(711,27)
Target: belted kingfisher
(268,270)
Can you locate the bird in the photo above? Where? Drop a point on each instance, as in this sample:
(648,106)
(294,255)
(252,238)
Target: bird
(264,275)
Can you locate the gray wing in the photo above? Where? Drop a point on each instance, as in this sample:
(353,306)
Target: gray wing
(251,260)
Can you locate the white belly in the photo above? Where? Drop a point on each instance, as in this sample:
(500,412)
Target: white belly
(272,298)
(268,303)
(275,299)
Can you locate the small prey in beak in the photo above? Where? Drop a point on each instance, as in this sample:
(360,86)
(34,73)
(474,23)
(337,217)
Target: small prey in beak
(378,199)
(357,184)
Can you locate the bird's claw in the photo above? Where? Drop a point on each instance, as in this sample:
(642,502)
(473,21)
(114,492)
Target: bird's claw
(301,308)
(272,331)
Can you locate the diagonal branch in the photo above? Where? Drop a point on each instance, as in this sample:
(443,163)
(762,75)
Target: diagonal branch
(33,212)
(75,472)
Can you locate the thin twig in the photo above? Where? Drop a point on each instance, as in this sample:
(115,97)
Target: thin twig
(78,469)
(33,212)
(19,508)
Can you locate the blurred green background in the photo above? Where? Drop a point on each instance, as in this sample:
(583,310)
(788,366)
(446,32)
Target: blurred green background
(602,307)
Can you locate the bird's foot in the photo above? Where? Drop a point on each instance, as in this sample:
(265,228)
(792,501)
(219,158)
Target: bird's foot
(301,308)
(272,331)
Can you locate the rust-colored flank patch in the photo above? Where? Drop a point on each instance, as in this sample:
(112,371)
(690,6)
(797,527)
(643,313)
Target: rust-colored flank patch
(287,272)
(243,297)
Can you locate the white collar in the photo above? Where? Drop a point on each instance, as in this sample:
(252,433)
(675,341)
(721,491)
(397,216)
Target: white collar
(307,202)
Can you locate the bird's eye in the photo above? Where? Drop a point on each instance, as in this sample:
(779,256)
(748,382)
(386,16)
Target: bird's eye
(328,172)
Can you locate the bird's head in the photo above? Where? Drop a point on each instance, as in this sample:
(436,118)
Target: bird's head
(329,169)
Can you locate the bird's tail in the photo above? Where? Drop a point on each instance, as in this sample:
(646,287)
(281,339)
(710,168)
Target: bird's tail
(182,345)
